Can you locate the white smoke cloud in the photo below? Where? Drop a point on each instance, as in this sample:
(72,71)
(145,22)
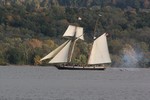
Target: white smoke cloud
(131,58)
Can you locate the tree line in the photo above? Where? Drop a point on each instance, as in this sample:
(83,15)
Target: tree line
(79,3)
(31,29)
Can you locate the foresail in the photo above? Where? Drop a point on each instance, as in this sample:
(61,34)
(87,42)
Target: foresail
(74,31)
(99,52)
(54,52)
(62,56)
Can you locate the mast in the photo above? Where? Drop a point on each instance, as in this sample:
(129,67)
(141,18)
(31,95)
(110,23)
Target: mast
(99,53)
(99,15)
(72,49)
(74,40)
(78,34)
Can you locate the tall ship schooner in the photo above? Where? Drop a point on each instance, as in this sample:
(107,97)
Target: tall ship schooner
(61,56)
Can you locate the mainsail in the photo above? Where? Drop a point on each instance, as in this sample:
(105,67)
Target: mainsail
(99,53)
(74,31)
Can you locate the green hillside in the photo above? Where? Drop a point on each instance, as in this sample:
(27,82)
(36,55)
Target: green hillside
(29,29)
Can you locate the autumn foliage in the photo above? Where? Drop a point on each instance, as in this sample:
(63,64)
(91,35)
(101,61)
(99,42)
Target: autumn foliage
(30,29)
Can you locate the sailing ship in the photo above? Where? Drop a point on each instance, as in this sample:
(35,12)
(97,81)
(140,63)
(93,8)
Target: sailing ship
(61,56)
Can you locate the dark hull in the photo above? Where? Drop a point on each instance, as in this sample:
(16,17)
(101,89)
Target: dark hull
(80,68)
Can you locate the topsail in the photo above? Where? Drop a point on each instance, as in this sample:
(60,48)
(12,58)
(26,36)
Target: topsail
(74,31)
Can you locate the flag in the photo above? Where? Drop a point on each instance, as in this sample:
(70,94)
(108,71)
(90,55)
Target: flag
(79,18)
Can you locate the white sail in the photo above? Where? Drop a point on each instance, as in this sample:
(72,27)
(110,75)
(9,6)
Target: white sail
(54,52)
(79,33)
(70,31)
(74,31)
(62,56)
(99,52)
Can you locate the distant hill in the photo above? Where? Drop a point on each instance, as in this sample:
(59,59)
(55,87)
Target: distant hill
(29,29)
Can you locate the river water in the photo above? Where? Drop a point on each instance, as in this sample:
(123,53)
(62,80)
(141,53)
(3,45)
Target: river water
(49,83)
